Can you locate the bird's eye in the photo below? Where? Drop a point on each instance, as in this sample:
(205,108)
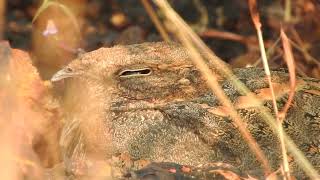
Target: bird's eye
(135,72)
(69,69)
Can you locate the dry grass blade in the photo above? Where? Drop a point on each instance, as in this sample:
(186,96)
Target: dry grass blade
(287,11)
(212,81)
(226,72)
(302,46)
(215,87)
(256,20)
(226,35)
(154,18)
(288,56)
(304,52)
(254,13)
(269,52)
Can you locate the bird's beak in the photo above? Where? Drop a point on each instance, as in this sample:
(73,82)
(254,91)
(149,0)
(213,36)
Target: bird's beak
(62,74)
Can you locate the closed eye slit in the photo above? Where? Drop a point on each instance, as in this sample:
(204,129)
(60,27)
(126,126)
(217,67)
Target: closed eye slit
(135,72)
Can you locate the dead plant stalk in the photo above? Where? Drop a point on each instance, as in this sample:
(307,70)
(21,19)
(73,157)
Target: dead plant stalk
(154,18)
(225,71)
(212,81)
(256,21)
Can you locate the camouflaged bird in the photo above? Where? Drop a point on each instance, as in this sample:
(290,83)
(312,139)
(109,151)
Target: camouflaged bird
(150,101)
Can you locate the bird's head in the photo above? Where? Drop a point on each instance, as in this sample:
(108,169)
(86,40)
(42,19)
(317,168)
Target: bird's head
(148,71)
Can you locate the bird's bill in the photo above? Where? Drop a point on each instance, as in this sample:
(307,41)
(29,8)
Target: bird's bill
(62,74)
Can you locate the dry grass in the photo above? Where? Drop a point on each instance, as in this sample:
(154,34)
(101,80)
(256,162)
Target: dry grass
(192,41)
(17,157)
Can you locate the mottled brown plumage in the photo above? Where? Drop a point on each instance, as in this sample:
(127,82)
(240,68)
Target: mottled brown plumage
(150,101)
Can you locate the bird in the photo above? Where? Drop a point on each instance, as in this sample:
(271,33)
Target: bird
(149,100)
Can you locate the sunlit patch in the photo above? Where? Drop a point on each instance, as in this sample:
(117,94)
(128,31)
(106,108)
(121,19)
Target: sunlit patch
(51,28)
